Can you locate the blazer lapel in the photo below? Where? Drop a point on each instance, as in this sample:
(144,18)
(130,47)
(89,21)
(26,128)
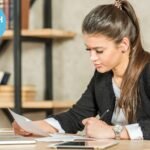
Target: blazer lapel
(105,96)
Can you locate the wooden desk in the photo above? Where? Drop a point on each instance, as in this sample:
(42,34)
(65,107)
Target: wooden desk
(132,145)
(123,145)
(38,146)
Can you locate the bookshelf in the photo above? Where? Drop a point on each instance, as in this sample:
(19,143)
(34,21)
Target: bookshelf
(39,104)
(46,35)
(41,33)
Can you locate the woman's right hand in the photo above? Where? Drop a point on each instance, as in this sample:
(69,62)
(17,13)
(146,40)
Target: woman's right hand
(41,124)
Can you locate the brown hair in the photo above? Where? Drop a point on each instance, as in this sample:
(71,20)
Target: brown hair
(117,23)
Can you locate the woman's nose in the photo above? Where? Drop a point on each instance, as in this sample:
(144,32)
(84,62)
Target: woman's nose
(93,55)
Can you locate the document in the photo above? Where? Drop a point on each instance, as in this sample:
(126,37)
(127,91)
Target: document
(28,125)
(57,137)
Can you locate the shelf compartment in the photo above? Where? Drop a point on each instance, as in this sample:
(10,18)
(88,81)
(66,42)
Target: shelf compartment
(41,33)
(40,104)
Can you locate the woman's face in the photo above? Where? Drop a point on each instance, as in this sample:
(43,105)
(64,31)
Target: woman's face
(104,52)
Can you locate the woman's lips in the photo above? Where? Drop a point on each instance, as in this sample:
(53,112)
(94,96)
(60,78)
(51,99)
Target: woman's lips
(98,66)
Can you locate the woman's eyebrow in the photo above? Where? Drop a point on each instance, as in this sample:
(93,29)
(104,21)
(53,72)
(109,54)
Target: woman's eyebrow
(96,47)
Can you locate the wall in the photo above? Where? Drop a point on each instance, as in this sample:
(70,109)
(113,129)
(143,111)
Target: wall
(72,67)
(72,64)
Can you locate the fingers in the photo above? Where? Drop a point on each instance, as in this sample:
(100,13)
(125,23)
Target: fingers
(87,125)
(92,124)
(85,121)
(41,124)
(19,131)
(87,130)
(45,126)
(89,120)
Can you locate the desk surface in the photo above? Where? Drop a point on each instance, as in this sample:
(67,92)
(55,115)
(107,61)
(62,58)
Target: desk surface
(132,145)
(123,145)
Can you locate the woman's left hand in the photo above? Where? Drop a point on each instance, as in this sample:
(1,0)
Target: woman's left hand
(96,128)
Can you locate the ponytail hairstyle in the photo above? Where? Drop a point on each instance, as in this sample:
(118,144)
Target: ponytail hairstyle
(117,21)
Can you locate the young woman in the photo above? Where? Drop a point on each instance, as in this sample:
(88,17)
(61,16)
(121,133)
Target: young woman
(119,91)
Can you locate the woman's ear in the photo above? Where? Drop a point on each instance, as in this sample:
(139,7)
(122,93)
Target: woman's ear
(124,45)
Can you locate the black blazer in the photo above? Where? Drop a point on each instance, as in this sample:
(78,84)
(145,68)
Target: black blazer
(99,96)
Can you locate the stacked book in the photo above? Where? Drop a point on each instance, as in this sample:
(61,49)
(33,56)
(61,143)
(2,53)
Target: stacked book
(7,93)
(8,8)
(4,77)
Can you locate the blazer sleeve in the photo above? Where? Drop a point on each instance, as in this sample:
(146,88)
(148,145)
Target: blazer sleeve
(71,121)
(145,122)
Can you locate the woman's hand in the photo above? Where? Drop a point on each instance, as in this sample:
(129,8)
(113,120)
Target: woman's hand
(41,124)
(96,128)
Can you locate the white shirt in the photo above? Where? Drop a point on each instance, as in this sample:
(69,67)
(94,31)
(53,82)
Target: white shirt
(134,130)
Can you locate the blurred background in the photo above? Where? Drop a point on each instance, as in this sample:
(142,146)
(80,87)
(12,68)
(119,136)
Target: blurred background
(72,68)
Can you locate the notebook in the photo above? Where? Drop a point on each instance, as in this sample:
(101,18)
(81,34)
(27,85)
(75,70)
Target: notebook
(15,139)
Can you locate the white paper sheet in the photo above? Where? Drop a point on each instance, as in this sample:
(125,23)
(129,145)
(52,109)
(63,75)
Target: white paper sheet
(57,137)
(28,125)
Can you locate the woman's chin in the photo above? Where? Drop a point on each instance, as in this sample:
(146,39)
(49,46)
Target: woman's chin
(101,70)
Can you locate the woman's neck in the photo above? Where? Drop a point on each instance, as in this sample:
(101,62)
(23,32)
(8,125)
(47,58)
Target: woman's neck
(118,72)
(120,69)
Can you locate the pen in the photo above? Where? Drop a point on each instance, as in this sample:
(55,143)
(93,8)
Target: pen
(103,115)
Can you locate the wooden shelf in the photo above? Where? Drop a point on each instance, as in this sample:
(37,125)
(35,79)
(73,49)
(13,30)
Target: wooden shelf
(39,104)
(41,33)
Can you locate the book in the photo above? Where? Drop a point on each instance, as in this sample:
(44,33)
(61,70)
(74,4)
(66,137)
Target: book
(8,7)
(4,77)
(6,12)
(1,4)
(25,6)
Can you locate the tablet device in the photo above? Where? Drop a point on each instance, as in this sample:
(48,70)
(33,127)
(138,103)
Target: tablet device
(97,144)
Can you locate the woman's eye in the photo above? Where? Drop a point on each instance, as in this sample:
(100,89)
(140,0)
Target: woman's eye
(87,49)
(99,52)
